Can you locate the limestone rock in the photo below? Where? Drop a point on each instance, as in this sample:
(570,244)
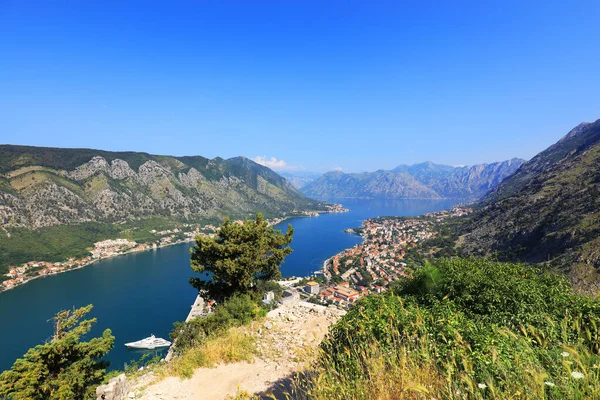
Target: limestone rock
(116,389)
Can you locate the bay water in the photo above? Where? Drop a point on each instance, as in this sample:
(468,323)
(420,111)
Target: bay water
(139,294)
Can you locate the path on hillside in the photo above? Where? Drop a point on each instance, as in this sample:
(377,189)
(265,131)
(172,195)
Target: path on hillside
(285,341)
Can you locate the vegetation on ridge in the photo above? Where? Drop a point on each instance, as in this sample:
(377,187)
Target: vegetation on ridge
(547,211)
(101,194)
(242,262)
(464,328)
(205,341)
(65,368)
(239,256)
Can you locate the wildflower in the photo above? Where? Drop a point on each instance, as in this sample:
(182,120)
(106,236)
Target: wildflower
(549,384)
(577,375)
(481,385)
(565,354)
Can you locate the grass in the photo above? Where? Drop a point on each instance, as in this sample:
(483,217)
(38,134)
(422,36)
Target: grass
(227,343)
(222,337)
(234,346)
(448,335)
(417,369)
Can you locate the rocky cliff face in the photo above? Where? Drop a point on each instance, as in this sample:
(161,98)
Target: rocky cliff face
(475,181)
(299,179)
(419,181)
(42,187)
(385,184)
(548,210)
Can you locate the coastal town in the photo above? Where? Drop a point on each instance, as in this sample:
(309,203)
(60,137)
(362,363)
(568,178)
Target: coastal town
(370,267)
(21,274)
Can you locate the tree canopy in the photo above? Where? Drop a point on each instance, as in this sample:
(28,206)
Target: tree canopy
(63,368)
(239,256)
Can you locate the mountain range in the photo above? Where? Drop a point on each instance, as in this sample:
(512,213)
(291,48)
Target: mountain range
(419,181)
(41,187)
(547,211)
(298,179)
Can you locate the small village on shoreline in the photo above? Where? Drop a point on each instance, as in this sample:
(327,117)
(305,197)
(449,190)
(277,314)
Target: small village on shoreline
(370,267)
(367,268)
(105,249)
(26,272)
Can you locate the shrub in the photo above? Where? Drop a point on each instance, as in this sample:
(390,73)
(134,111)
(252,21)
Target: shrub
(504,294)
(238,310)
(464,328)
(241,308)
(263,287)
(64,367)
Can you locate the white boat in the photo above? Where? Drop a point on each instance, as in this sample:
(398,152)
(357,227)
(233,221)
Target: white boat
(151,342)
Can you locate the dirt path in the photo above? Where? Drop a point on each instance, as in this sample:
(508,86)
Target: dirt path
(285,342)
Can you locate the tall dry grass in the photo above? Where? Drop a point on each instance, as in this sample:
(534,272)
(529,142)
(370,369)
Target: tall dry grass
(432,345)
(233,346)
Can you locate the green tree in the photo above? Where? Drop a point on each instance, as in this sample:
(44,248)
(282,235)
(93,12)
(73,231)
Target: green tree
(239,256)
(63,368)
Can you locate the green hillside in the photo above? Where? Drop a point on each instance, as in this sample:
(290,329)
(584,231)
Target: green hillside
(57,202)
(547,211)
(463,329)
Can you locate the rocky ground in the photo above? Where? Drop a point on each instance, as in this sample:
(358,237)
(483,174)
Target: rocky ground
(286,342)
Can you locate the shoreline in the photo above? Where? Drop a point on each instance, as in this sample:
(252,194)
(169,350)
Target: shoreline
(379,254)
(276,221)
(32,278)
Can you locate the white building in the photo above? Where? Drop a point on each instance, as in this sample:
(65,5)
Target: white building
(312,287)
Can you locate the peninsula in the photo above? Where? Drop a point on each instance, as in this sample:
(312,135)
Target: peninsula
(388,253)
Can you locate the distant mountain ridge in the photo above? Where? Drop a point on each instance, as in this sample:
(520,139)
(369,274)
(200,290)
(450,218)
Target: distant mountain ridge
(50,186)
(548,210)
(419,181)
(381,183)
(299,179)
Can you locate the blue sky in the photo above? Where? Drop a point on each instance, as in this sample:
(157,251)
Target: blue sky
(317,85)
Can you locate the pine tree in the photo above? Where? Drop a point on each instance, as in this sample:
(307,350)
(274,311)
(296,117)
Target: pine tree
(63,368)
(239,256)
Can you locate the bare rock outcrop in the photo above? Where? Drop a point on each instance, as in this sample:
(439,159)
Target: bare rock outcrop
(41,187)
(119,169)
(116,389)
(92,167)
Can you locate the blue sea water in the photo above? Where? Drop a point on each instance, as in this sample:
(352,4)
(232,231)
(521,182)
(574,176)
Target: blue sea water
(138,294)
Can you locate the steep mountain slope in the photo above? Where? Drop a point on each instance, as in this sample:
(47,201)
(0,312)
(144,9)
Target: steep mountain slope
(368,184)
(426,171)
(301,178)
(425,180)
(548,210)
(42,187)
(475,181)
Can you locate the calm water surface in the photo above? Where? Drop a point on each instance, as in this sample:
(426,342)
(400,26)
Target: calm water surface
(136,295)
